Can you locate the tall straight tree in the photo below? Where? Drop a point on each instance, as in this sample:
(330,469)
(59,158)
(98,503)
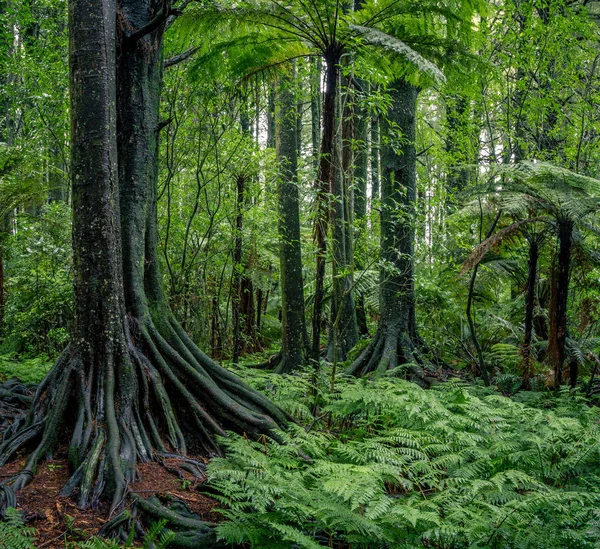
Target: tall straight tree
(131,383)
(294,336)
(396,341)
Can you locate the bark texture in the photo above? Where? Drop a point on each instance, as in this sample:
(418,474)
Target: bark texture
(131,386)
(294,336)
(323,185)
(343,333)
(396,341)
(559,296)
(527,366)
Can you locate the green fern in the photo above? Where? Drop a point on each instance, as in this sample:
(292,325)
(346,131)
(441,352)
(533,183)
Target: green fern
(13,533)
(397,466)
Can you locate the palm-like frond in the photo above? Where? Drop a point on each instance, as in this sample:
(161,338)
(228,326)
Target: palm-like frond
(389,43)
(544,187)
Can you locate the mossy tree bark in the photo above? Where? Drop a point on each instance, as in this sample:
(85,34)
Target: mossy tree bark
(532,278)
(361,177)
(131,384)
(396,341)
(294,349)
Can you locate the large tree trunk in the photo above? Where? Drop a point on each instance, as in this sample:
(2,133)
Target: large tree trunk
(396,341)
(559,296)
(131,384)
(293,324)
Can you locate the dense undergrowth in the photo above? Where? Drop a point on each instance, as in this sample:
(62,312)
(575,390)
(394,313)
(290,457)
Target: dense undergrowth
(386,464)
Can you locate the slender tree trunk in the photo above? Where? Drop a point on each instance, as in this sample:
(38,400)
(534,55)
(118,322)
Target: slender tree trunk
(323,187)
(559,297)
(315,109)
(4,234)
(259,306)
(293,324)
(131,383)
(394,343)
(530,308)
(375,160)
(236,301)
(343,333)
(361,177)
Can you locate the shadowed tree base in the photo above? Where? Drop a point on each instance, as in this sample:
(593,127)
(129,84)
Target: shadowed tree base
(152,396)
(390,347)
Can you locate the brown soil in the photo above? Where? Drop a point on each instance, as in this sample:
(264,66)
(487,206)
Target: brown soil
(57,519)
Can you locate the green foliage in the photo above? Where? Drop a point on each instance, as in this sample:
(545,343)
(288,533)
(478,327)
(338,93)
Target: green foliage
(156,537)
(39,286)
(13,533)
(28,370)
(397,466)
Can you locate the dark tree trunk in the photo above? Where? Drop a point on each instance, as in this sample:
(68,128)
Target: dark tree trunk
(131,383)
(315,109)
(530,308)
(343,333)
(4,233)
(293,324)
(395,342)
(323,186)
(250,342)
(216,339)
(236,284)
(259,307)
(559,296)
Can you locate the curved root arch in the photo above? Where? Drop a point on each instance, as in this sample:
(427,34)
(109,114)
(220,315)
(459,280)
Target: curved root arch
(159,394)
(389,348)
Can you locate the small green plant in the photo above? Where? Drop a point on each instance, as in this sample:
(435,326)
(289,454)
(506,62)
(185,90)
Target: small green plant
(185,483)
(157,537)
(13,533)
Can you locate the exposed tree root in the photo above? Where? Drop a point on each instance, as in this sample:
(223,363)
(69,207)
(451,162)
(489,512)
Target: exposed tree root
(156,394)
(279,363)
(188,528)
(390,348)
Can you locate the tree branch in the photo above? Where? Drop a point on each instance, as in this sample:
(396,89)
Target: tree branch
(176,59)
(159,19)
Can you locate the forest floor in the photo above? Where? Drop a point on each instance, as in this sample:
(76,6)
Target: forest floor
(59,521)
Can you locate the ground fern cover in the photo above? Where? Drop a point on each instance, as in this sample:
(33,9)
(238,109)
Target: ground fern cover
(388,464)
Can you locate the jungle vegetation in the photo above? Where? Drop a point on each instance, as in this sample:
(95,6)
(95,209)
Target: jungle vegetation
(339,259)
